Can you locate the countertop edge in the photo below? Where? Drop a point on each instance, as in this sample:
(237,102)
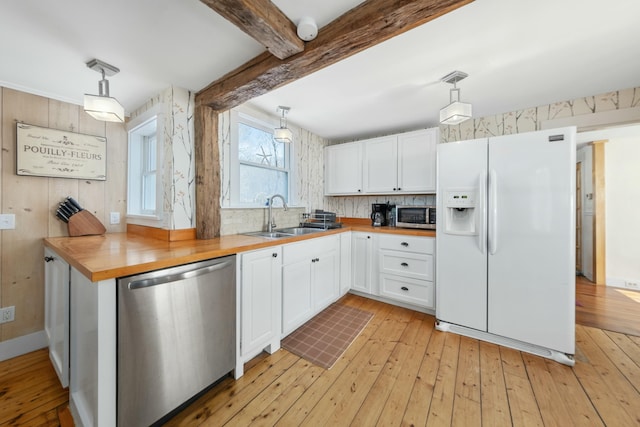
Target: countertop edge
(76,250)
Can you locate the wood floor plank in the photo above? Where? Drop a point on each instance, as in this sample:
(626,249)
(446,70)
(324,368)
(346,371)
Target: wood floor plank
(272,413)
(11,365)
(598,386)
(377,398)
(395,408)
(251,413)
(219,397)
(493,391)
(422,393)
(606,365)
(622,361)
(552,408)
(441,409)
(626,344)
(303,406)
(466,404)
(576,401)
(522,402)
(342,401)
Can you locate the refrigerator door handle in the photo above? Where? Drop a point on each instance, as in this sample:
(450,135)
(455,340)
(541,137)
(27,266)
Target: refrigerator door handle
(482,203)
(493,212)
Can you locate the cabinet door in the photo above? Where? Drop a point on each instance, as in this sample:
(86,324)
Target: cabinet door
(380,165)
(361,246)
(260,288)
(326,279)
(297,303)
(343,169)
(417,161)
(57,313)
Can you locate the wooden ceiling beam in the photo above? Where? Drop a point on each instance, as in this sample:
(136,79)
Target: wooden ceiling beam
(364,26)
(263,21)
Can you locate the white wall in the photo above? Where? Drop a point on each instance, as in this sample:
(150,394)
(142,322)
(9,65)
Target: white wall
(622,199)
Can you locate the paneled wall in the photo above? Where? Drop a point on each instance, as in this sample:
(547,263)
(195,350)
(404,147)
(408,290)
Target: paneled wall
(34,200)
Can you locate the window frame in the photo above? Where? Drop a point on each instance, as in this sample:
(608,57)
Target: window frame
(238,117)
(138,131)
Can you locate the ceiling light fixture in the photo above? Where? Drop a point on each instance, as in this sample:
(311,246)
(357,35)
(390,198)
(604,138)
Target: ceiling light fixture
(283,134)
(102,106)
(456,112)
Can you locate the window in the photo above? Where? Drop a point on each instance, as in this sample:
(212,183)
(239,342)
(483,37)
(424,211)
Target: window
(143,181)
(261,165)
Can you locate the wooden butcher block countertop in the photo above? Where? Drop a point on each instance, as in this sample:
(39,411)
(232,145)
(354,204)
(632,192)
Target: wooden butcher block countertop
(115,255)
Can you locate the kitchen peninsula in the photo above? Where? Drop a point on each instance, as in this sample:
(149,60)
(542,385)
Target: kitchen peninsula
(97,261)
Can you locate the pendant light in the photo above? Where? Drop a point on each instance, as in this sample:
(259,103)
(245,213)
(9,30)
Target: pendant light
(283,134)
(456,112)
(102,106)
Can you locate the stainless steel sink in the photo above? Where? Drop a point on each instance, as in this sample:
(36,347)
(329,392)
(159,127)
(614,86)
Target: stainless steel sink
(285,232)
(298,231)
(270,235)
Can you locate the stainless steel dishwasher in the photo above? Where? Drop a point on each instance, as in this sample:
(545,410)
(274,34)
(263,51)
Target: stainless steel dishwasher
(176,336)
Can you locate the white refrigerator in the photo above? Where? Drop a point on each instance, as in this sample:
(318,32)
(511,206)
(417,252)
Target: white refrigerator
(505,258)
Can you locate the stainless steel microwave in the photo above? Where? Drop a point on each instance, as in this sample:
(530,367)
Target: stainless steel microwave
(416,217)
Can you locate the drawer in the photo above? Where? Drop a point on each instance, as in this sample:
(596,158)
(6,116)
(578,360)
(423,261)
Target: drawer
(407,264)
(308,249)
(418,292)
(423,245)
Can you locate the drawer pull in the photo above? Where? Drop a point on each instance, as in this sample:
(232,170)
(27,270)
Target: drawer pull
(275,255)
(49,258)
(404,264)
(404,288)
(405,244)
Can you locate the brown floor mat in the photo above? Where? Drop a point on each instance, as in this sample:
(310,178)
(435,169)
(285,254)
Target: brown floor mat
(323,339)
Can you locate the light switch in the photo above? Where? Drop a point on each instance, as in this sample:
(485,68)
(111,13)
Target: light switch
(115,218)
(7,221)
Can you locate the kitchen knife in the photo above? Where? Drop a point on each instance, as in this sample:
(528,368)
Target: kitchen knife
(61,216)
(65,210)
(75,204)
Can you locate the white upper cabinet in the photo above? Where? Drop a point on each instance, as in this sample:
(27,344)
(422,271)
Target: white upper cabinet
(343,169)
(417,161)
(380,165)
(397,164)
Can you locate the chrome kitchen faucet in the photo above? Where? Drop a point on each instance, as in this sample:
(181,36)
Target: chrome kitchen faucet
(271,224)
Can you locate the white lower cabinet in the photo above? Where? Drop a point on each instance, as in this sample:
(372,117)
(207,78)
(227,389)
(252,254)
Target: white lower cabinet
(362,270)
(407,269)
(260,274)
(310,279)
(56,325)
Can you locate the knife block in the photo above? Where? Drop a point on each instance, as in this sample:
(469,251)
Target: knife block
(84,223)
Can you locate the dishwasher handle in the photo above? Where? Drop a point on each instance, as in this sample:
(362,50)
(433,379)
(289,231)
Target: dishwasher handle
(160,280)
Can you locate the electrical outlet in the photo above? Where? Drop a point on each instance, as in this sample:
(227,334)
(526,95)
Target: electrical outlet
(632,285)
(7,314)
(114,218)
(7,221)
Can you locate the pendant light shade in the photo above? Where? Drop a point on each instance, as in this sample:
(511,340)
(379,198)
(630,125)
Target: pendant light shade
(283,134)
(102,106)
(457,111)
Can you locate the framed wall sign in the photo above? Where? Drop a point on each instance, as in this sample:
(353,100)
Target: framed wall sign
(60,154)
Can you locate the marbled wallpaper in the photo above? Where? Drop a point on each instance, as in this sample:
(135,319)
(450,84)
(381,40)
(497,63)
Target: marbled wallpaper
(177,106)
(307,187)
(530,119)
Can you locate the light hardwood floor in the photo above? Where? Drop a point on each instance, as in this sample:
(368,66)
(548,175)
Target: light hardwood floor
(400,371)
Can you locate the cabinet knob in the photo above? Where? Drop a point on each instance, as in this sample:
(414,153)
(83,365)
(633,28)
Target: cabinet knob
(404,288)
(399,188)
(394,188)
(359,190)
(368,237)
(405,244)
(275,255)
(404,264)
(49,259)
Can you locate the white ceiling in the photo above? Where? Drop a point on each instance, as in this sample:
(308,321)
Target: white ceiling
(518,54)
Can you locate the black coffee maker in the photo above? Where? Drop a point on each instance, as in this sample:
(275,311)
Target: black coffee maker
(379,214)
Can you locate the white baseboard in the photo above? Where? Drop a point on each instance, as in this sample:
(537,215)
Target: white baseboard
(22,345)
